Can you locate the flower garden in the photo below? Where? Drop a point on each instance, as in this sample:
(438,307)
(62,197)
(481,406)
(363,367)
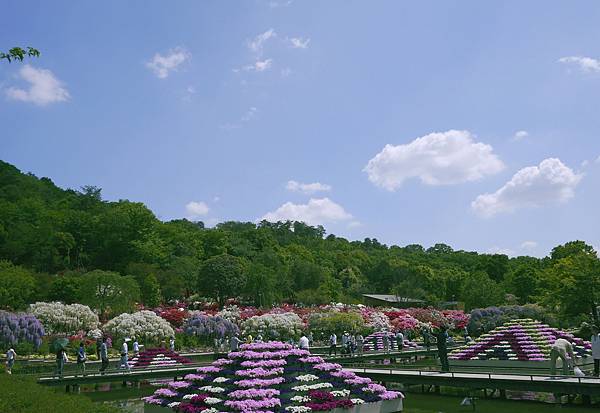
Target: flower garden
(520,342)
(273,377)
(158,357)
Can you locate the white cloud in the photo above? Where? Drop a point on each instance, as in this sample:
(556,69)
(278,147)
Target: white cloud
(299,42)
(587,64)
(257,44)
(307,189)
(316,212)
(259,66)
(501,251)
(520,135)
(529,245)
(354,224)
(196,209)
(249,115)
(442,158)
(533,186)
(44,87)
(163,65)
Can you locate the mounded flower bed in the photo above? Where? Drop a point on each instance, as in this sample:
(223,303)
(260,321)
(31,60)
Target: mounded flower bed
(374,342)
(520,342)
(158,357)
(274,377)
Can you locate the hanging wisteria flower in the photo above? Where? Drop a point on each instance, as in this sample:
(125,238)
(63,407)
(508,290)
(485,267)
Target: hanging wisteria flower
(307,377)
(208,327)
(274,326)
(18,328)
(59,318)
(144,325)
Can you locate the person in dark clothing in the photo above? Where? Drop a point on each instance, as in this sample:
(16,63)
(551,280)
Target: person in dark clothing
(104,355)
(442,348)
(426,338)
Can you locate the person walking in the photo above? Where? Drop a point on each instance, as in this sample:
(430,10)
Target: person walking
(125,356)
(98,347)
(103,355)
(352,345)
(333,344)
(310,338)
(426,337)
(304,343)
(346,343)
(172,343)
(400,340)
(560,349)
(443,348)
(234,343)
(11,356)
(81,359)
(386,342)
(136,347)
(595,340)
(61,359)
(360,343)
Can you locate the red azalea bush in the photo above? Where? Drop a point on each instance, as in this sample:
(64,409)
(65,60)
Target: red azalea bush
(174,315)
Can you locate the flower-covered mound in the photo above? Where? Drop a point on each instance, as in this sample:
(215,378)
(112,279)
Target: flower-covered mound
(269,377)
(374,342)
(158,357)
(519,340)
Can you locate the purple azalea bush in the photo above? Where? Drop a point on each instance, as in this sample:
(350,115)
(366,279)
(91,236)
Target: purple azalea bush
(16,328)
(204,326)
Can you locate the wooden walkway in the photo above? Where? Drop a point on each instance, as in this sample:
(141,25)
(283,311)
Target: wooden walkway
(553,384)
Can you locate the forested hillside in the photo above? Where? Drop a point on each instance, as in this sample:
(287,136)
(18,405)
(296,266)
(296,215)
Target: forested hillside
(69,245)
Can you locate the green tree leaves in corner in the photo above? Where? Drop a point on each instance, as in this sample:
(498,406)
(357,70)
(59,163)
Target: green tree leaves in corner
(17,53)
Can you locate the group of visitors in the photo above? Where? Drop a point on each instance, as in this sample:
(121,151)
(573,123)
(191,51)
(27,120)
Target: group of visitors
(351,343)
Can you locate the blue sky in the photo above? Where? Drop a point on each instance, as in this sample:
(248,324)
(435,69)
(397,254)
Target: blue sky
(208,110)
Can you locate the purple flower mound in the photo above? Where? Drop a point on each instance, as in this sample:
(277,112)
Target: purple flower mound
(18,328)
(519,340)
(269,378)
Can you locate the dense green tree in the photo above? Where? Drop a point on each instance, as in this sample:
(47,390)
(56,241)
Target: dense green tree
(479,290)
(17,286)
(150,290)
(109,292)
(222,277)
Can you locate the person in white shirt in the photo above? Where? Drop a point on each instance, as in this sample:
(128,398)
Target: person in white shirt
(124,355)
(333,344)
(136,348)
(172,343)
(595,339)
(560,349)
(303,343)
(11,356)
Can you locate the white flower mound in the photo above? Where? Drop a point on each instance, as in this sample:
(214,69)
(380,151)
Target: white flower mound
(274,326)
(143,325)
(58,318)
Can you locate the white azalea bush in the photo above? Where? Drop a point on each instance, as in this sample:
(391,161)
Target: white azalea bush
(231,313)
(144,325)
(274,326)
(59,318)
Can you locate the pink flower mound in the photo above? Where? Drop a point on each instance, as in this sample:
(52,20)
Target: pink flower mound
(264,363)
(208,369)
(158,357)
(327,366)
(253,379)
(252,405)
(391,395)
(260,382)
(260,372)
(253,393)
